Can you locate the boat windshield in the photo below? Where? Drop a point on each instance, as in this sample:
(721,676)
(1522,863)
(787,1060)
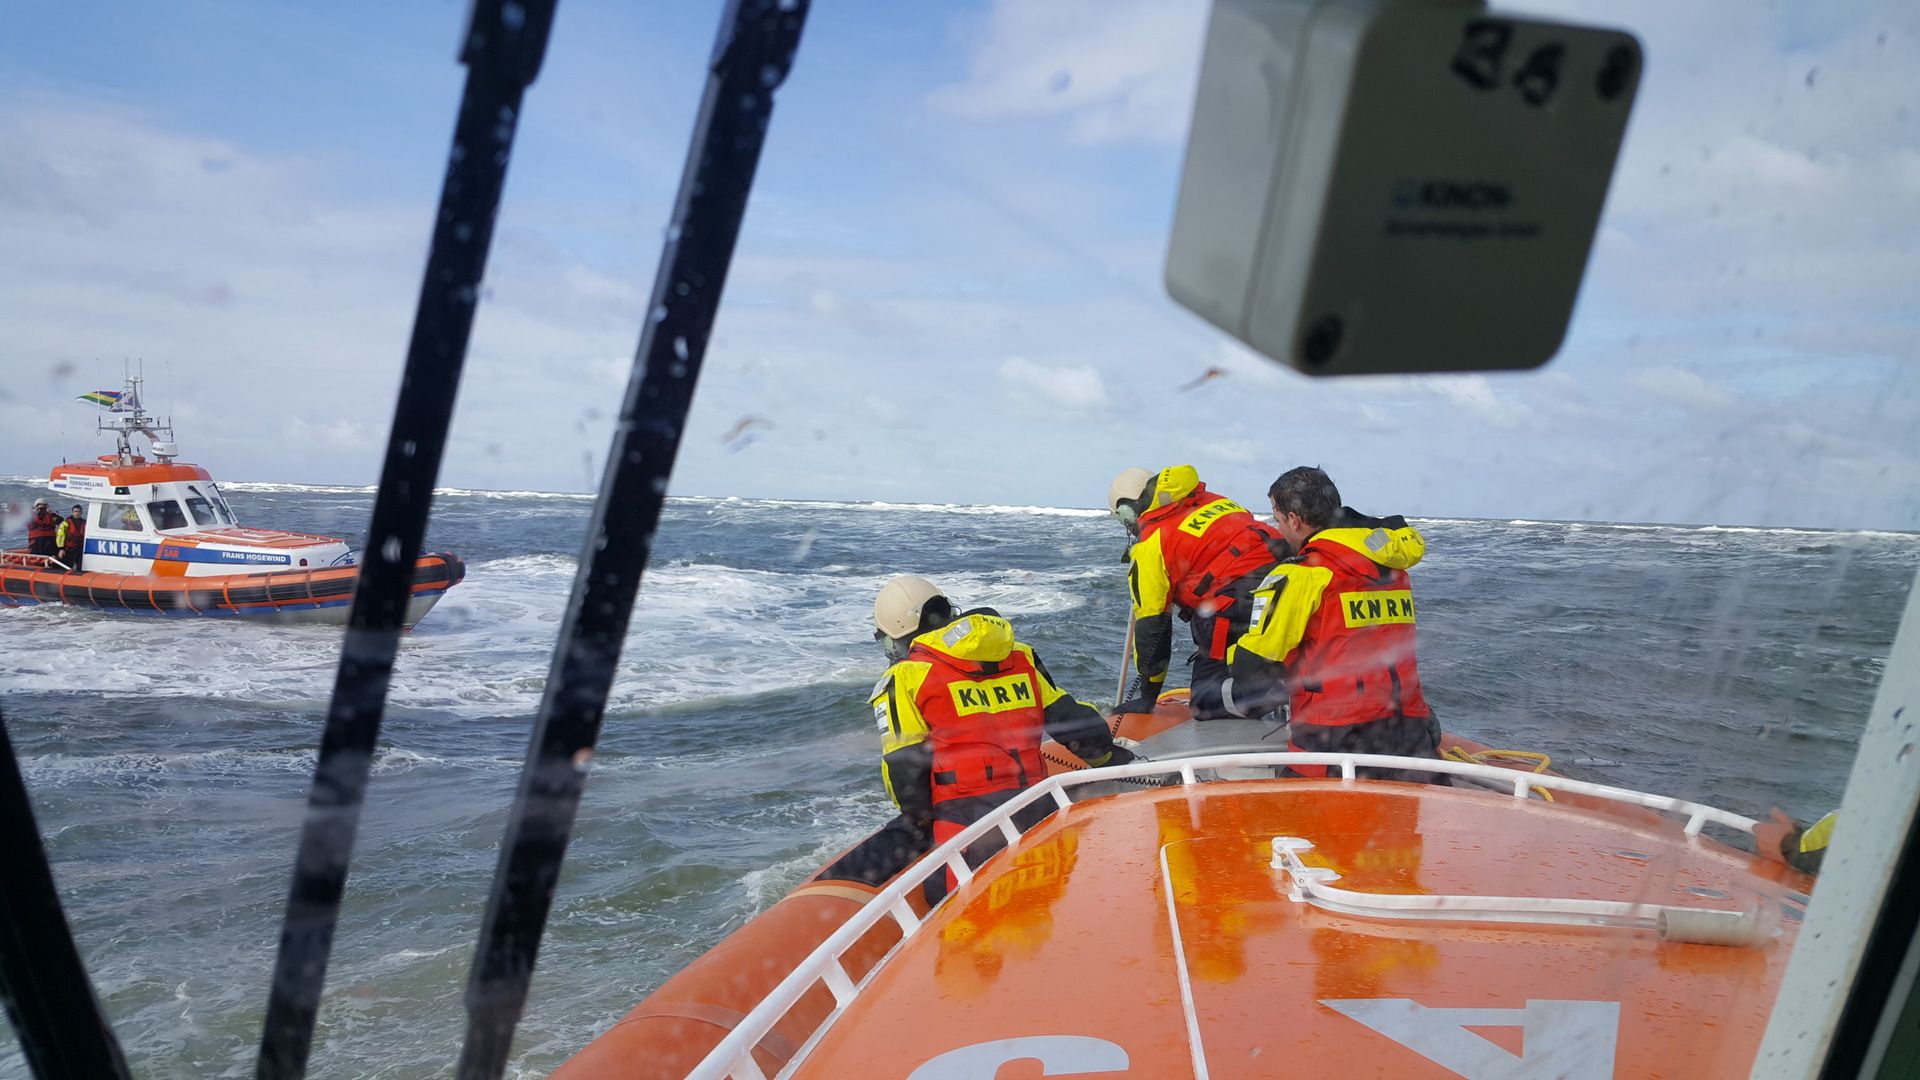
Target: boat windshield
(1673,559)
(166,514)
(204,510)
(218,503)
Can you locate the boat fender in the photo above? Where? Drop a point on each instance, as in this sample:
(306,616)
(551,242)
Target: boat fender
(1693,926)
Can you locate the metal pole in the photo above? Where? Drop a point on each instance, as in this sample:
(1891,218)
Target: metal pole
(754,51)
(502,50)
(44,984)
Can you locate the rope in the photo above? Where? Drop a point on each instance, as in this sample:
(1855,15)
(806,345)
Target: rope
(1482,757)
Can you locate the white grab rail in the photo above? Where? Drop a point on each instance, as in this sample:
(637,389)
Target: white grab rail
(1699,925)
(733,1055)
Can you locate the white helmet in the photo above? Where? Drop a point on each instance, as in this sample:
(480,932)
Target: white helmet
(1124,494)
(896,611)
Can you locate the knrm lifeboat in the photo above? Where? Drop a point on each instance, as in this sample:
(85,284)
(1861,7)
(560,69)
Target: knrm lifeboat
(1200,914)
(159,538)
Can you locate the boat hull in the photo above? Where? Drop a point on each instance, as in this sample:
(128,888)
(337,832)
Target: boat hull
(301,596)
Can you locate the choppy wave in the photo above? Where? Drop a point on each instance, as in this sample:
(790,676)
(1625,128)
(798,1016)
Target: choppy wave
(701,631)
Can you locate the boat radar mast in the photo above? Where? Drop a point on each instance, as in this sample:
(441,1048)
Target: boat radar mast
(126,415)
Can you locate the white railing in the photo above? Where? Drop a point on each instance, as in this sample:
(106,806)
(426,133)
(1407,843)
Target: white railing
(1753,926)
(733,1056)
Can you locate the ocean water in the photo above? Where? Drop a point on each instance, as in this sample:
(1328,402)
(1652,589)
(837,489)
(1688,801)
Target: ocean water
(169,760)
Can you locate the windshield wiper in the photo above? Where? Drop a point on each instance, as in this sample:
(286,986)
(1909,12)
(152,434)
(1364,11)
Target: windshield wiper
(502,50)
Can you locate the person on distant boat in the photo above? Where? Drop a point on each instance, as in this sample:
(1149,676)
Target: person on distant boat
(961,712)
(42,528)
(1333,633)
(1799,845)
(1196,554)
(71,536)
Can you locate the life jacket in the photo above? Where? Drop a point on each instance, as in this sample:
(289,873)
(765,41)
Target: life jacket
(982,706)
(42,525)
(1207,541)
(1356,660)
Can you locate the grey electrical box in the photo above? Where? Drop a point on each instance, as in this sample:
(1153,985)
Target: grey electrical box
(1381,186)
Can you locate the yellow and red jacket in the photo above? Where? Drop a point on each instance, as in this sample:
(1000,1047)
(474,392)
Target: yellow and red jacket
(1193,545)
(1336,622)
(964,713)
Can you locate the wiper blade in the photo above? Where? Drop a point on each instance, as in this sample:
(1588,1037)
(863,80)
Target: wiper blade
(502,50)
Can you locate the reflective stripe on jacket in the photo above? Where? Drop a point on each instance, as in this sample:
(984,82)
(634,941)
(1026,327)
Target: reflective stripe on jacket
(1340,619)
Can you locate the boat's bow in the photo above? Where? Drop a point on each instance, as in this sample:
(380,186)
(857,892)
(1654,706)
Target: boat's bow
(1395,929)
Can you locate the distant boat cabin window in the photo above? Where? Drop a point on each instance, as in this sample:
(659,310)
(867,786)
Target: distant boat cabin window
(123,518)
(208,511)
(166,515)
(220,503)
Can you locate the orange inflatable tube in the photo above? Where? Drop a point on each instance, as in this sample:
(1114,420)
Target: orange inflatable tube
(668,1033)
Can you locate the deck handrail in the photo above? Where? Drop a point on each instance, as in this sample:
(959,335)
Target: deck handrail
(733,1055)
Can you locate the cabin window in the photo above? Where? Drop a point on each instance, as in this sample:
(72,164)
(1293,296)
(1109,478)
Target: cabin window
(123,517)
(220,504)
(166,515)
(215,511)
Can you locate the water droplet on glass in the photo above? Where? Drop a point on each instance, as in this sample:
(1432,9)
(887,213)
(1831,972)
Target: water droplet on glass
(659,485)
(680,347)
(769,75)
(581,757)
(672,233)
(409,448)
(463,232)
(390,550)
(512,15)
(660,313)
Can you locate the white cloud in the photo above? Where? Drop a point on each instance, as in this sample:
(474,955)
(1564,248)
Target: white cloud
(1682,388)
(1079,389)
(1475,396)
(1117,70)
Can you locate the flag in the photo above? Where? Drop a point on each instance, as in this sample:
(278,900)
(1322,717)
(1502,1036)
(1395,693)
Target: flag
(101,397)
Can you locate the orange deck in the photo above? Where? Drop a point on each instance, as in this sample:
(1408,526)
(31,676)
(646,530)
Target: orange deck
(1147,935)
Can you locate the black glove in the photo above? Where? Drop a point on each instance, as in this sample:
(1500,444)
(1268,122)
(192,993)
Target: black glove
(1120,756)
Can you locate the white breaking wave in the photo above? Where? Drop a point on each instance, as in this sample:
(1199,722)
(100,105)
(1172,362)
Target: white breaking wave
(699,632)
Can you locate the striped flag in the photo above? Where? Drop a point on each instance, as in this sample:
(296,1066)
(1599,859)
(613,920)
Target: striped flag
(102,397)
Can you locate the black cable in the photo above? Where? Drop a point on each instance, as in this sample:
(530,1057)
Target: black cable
(754,51)
(502,50)
(42,980)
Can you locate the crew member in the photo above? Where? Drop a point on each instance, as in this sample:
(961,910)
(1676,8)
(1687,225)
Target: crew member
(961,713)
(1801,846)
(71,536)
(1195,554)
(1333,633)
(42,528)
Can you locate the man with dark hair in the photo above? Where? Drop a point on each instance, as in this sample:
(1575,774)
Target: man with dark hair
(71,537)
(1332,632)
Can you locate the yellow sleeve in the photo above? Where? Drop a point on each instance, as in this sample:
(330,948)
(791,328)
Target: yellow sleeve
(1282,606)
(896,711)
(1147,578)
(1049,692)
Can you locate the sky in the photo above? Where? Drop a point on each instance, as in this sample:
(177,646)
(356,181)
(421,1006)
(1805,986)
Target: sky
(948,284)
